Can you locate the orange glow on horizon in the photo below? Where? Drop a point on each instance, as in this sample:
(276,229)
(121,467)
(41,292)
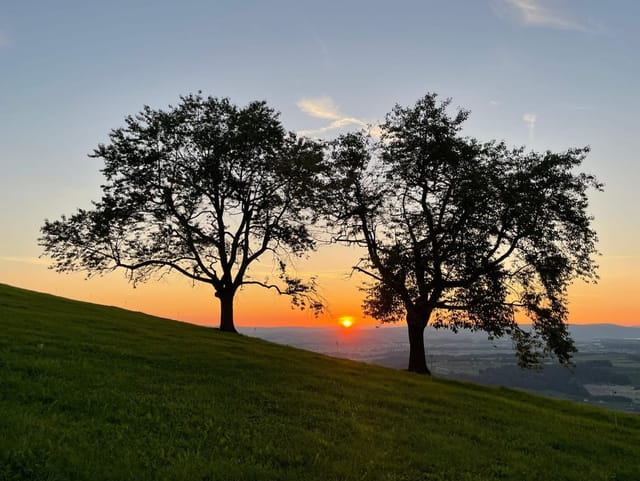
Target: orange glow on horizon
(612,300)
(346,321)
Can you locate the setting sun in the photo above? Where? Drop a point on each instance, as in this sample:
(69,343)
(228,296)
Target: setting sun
(346,321)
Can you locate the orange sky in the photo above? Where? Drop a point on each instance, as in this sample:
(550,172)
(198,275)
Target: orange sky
(612,300)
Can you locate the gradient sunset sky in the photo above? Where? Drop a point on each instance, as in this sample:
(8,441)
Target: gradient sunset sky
(548,74)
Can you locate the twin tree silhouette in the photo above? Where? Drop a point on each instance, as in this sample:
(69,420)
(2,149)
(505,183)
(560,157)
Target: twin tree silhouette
(458,234)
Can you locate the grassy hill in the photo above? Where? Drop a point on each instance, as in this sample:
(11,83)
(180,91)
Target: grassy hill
(89,392)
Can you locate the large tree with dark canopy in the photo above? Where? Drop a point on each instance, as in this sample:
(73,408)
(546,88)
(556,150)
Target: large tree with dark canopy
(461,234)
(205,189)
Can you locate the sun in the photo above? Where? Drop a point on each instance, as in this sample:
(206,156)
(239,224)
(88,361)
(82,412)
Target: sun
(346,321)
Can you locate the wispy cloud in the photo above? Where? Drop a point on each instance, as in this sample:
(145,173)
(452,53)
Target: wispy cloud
(530,119)
(324,51)
(326,109)
(320,107)
(542,13)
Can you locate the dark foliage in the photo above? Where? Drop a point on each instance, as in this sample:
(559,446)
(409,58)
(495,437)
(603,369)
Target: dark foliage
(463,234)
(204,189)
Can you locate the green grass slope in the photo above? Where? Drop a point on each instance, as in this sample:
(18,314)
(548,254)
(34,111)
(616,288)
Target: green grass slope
(90,392)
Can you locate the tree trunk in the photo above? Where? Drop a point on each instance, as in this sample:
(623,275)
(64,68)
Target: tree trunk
(417,355)
(226,311)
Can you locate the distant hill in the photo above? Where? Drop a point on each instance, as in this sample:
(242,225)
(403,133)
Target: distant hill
(590,332)
(89,392)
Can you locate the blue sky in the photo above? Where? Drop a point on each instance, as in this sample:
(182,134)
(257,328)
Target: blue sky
(549,74)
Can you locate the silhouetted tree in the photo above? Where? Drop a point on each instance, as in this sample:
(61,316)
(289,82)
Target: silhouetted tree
(463,234)
(205,189)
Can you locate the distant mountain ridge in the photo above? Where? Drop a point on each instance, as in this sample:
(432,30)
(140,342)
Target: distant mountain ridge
(581,332)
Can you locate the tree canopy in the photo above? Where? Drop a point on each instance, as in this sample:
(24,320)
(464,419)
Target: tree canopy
(206,189)
(458,233)
(462,234)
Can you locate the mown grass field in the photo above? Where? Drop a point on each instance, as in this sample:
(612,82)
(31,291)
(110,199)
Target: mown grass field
(90,392)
